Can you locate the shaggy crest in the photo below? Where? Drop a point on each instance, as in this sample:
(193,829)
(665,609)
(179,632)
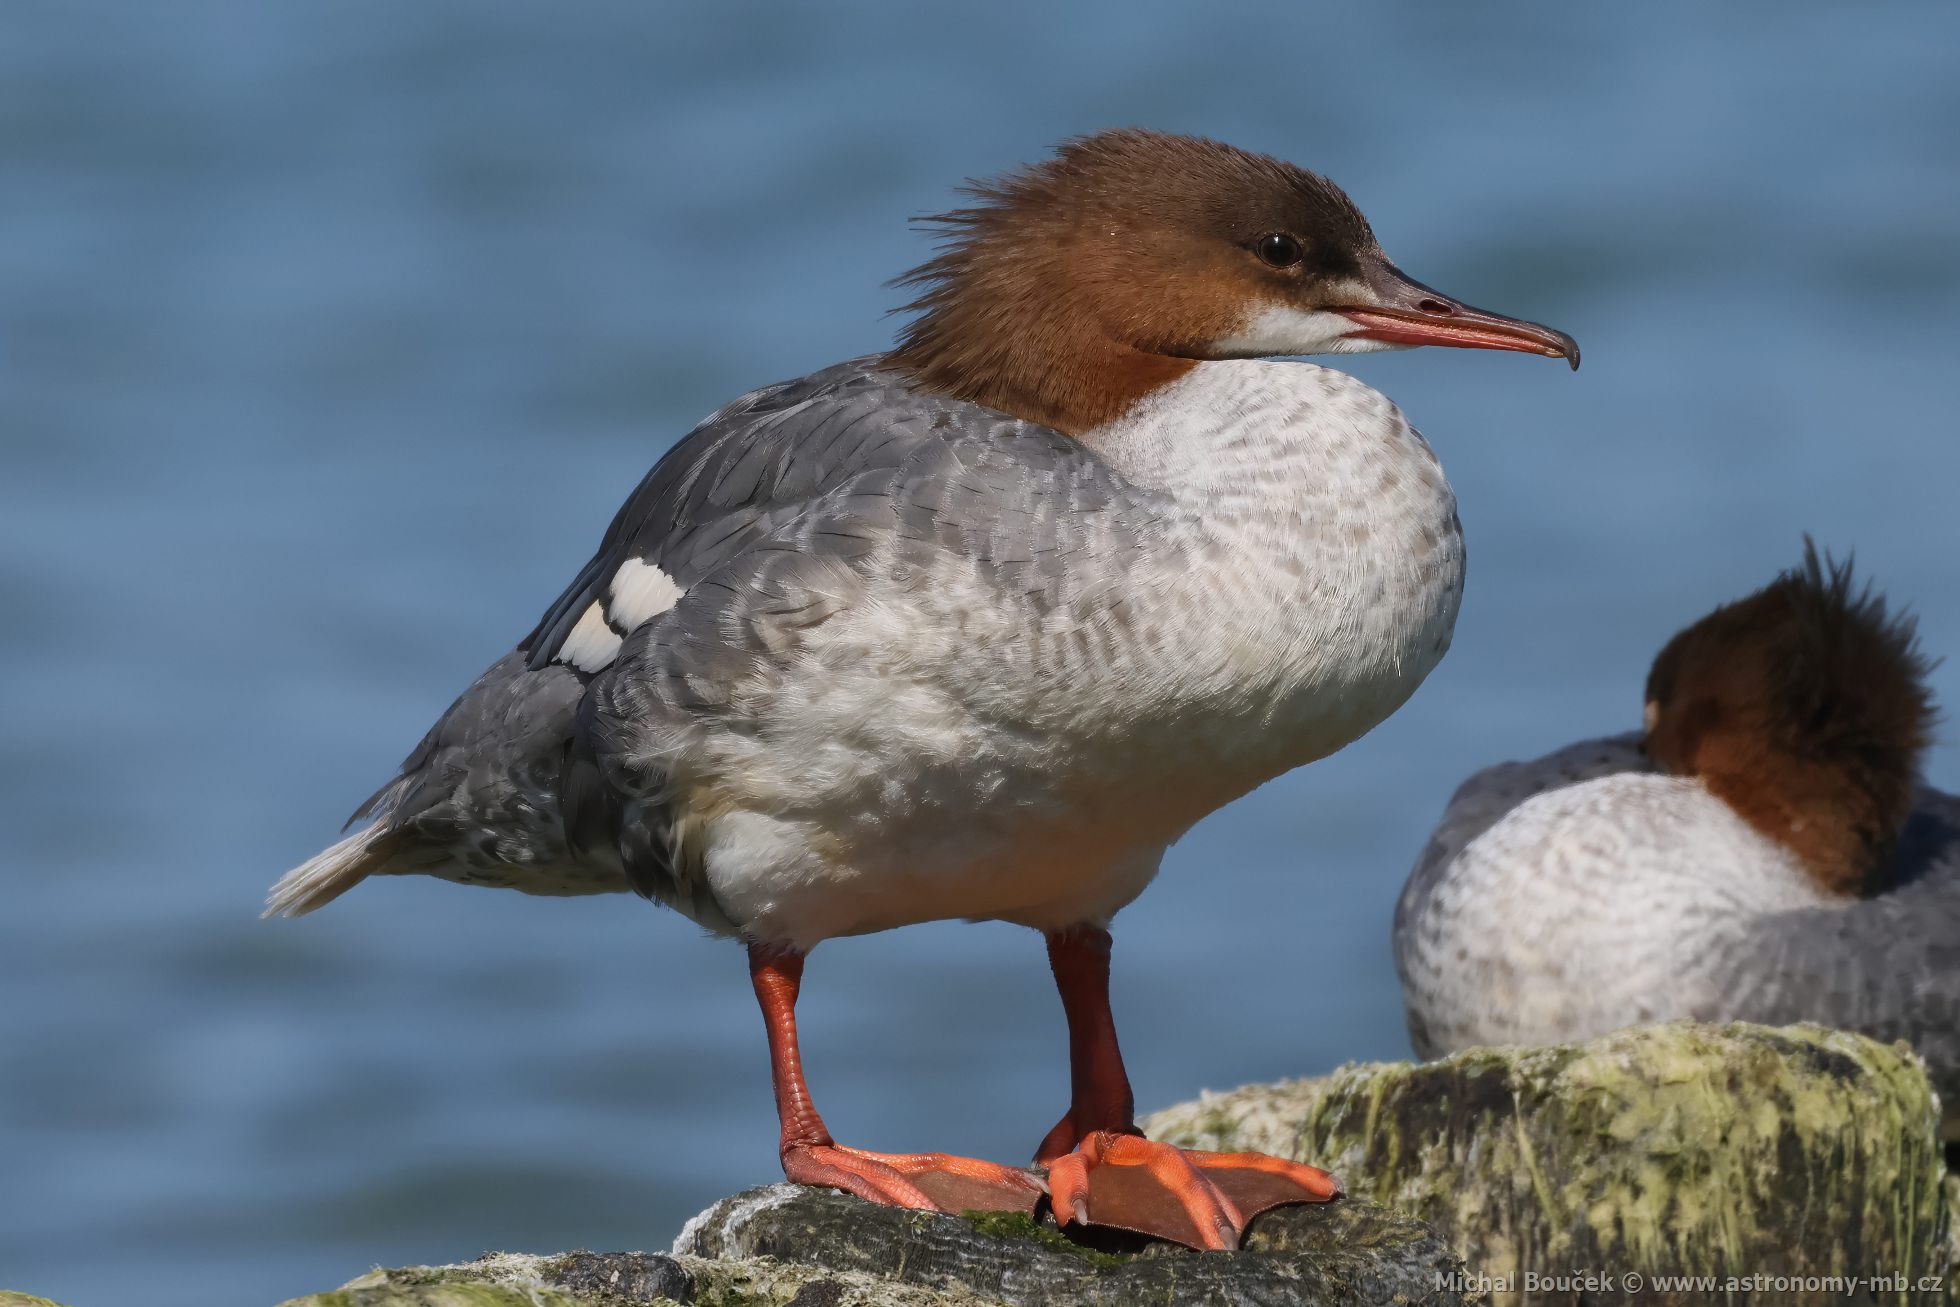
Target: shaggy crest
(1805,707)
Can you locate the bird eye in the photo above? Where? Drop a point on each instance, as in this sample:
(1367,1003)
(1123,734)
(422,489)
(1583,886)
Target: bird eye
(1278,250)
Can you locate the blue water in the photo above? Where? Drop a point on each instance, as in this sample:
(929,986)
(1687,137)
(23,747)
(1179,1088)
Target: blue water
(330,336)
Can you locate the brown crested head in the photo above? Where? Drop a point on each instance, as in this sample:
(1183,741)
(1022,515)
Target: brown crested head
(1805,708)
(1071,289)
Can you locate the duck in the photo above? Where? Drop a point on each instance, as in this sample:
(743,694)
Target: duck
(1764,849)
(977,627)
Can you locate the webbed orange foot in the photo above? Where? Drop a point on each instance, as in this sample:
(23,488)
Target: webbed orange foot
(931,1181)
(1188,1196)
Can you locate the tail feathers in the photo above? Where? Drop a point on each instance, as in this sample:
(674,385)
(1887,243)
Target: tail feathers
(327,875)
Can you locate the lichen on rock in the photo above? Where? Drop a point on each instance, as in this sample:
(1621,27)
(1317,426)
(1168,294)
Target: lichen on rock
(1718,1150)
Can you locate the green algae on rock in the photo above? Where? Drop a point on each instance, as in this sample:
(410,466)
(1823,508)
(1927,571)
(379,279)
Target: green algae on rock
(1712,1150)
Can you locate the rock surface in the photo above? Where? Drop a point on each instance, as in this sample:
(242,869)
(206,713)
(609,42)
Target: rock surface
(1336,1253)
(1678,1149)
(1799,1155)
(791,1247)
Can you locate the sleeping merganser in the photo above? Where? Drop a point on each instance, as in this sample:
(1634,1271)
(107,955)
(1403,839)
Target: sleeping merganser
(976,628)
(1762,851)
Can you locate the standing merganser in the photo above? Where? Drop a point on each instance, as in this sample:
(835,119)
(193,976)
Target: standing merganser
(978,627)
(1763,851)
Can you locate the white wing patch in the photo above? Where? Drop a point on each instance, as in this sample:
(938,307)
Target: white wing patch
(591,644)
(639,593)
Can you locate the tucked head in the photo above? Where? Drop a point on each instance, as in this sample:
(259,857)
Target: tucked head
(1078,285)
(1805,708)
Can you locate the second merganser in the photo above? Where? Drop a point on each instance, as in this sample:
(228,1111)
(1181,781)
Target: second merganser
(1763,850)
(978,627)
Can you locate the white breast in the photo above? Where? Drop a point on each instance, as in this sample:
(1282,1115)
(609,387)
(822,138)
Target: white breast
(956,755)
(1330,559)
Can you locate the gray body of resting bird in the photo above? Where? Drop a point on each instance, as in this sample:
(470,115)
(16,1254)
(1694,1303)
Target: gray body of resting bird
(1764,850)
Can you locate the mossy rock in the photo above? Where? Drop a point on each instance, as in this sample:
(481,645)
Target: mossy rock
(1679,1149)
(618,1279)
(1798,1154)
(787,1246)
(1339,1253)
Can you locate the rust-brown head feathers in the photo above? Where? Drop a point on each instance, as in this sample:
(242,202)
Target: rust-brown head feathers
(1076,286)
(1805,708)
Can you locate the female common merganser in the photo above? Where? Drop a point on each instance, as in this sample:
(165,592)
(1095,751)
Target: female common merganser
(1763,851)
(976,628)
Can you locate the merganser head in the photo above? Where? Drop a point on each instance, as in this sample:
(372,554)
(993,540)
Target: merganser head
(1077,286)
(1805,708)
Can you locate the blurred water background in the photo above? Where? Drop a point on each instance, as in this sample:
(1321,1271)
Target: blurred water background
(331,336)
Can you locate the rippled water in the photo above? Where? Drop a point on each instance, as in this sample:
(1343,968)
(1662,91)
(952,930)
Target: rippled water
(330,336)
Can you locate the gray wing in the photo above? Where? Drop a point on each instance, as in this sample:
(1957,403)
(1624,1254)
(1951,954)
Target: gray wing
(1887,966)
(739,518)
(703,500)
(1040,521)
(750,466)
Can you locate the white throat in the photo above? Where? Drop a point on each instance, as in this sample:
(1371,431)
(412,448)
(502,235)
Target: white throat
(1281,329)
(1274,431)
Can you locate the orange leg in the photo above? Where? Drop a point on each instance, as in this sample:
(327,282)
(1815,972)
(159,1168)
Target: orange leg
(1102,1171)
(1099,1087)
(934,1181)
